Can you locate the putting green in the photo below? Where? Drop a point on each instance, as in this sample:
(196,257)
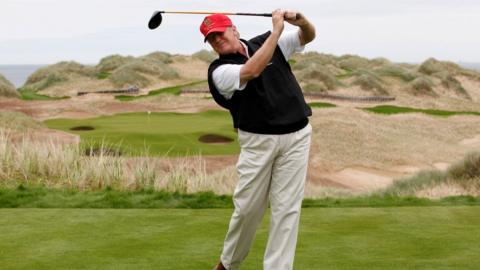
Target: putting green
(171,134)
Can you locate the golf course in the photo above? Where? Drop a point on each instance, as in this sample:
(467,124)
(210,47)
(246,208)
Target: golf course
(114,154)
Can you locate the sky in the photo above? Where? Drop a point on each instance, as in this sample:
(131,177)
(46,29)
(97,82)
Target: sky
(49,31)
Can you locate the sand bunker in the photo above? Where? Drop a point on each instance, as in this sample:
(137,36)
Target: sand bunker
(215,139)
(473,142)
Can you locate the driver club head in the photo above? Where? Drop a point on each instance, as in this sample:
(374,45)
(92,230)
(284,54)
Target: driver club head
(155,20)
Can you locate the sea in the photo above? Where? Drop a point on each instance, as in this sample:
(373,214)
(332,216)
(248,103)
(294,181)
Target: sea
(475,66)
(18,74)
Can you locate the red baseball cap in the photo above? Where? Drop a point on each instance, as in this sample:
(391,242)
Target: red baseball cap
(215,23)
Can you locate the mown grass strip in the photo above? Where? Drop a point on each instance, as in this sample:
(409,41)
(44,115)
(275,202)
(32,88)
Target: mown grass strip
(173,90)
(389,109)
(27,94)
(321,105)
(40,197)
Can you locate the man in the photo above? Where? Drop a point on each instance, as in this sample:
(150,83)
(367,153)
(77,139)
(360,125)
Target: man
(253,80)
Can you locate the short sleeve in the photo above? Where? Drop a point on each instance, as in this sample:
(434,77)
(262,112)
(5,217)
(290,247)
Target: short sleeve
(289,43)
(227,79)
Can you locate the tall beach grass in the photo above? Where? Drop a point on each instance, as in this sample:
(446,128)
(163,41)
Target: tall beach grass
(67,166)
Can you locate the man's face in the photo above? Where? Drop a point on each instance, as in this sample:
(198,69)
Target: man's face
(224,43)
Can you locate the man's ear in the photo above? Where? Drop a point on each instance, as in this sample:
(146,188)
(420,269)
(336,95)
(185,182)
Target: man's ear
(235,32)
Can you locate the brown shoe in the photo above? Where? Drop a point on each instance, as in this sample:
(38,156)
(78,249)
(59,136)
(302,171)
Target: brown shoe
(220,267)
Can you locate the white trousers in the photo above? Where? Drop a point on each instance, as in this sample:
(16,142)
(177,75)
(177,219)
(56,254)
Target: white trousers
(270,167)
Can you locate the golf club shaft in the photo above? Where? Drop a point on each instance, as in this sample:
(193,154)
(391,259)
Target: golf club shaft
(225,13)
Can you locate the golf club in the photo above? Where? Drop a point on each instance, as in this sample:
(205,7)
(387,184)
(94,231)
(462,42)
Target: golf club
(156,18)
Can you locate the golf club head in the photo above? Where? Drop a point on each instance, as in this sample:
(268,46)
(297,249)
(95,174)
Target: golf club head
(155,20)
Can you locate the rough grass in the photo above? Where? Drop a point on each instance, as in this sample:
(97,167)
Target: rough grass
(353,62)
(67,167)
(162,57)
(370,82)
(450,82)
(432,66)
(41,197)
(16,121)
(348,238)
(320,78)
(205,55)
(302,61)
(133,73)
(421,86)
(38,196)
(112,62)
(7,89)
(464,174)
(447,72)
(126,76)
(397,72)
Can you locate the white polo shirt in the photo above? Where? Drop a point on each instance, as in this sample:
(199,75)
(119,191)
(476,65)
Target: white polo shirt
(227,77)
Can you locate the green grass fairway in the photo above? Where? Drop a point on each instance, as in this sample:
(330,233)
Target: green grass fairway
(27,94)
(388,109)
(330,238)
(156,133)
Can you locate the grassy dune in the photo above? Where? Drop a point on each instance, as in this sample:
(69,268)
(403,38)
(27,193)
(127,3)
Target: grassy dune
(173,90)
(316,72)
(115,72)
(7,89)
(329,238)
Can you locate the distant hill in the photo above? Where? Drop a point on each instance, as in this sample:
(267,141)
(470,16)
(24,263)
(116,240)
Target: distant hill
(7,89)
(116,72)
(316,73)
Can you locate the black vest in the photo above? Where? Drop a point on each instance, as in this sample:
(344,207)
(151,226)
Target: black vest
(272,103)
